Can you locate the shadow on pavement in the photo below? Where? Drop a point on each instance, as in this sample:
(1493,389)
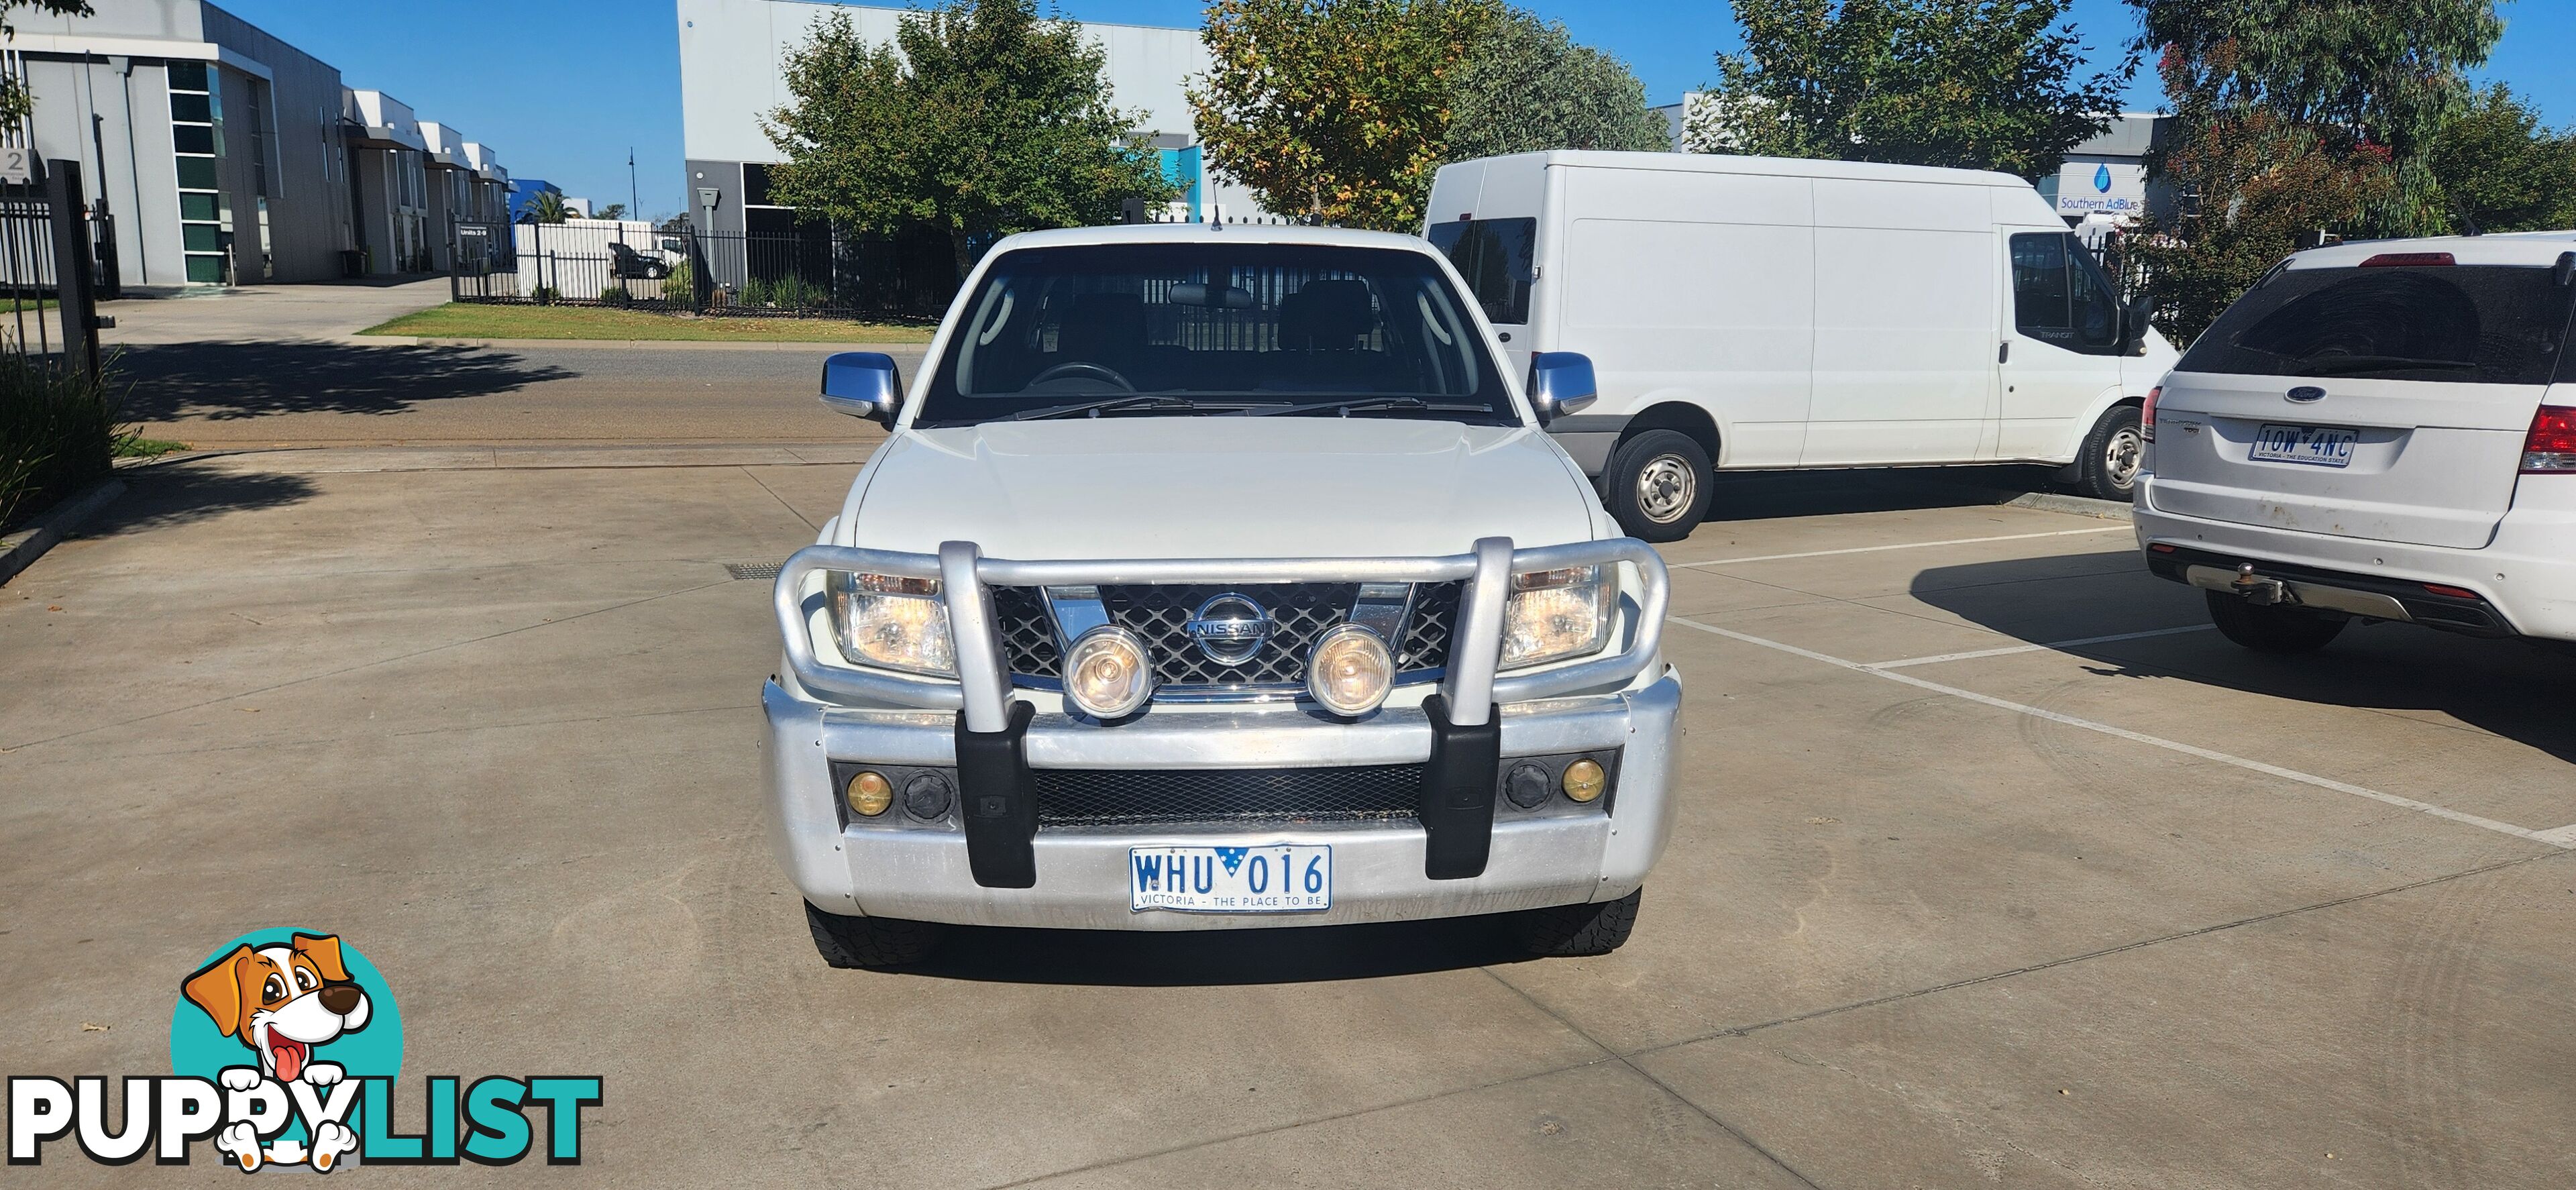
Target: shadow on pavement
(1761,495)
(2516,689)
(178,494)
(1117,958)
(222,381)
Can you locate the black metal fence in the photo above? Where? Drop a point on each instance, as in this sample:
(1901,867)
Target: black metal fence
(48,278)
(807,272)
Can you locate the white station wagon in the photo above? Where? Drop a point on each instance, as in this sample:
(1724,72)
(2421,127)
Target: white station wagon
(2377,431)
(1217,577)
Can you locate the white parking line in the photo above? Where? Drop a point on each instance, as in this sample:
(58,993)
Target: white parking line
(2564,837)
(1903,545)
(2078,642)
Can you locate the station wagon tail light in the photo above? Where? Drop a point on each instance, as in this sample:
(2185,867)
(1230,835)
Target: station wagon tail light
(891,622)
(1555,614)
(2550,448)
(2147,414)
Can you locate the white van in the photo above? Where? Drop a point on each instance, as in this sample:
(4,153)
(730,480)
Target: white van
(1757,312)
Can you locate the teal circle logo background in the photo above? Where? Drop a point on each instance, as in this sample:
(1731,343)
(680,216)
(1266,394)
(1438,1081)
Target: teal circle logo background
(199,1048)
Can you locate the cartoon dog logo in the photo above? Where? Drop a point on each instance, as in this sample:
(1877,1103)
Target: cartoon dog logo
(281,1002)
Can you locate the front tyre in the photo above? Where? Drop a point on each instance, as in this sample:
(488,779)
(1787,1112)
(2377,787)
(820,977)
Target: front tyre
(871,943)
(2108,469)
(1565,931)
(2271,628)
(1657,484)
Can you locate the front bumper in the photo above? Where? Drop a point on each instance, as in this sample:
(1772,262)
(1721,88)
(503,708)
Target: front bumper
(1080,874)
(2525,576)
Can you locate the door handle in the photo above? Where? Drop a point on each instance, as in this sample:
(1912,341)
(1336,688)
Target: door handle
(2003,352)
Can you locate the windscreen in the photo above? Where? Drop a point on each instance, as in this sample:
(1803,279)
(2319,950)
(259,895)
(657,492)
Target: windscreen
(2492,324)
(1204,328)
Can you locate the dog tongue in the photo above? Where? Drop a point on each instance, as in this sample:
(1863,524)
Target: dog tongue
(290,1058)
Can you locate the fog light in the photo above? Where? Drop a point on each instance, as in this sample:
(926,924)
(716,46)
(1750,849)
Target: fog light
(1527,785)
(1350,670)
(1106,673)
(870,793)
(926,797)
(1584,780)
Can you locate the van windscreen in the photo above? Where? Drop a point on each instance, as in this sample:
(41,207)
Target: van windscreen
(1494,255)
(2490,324)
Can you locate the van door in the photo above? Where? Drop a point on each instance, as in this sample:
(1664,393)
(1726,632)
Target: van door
(1487,225)
(2061,350)
(1905,292)
(2387,401)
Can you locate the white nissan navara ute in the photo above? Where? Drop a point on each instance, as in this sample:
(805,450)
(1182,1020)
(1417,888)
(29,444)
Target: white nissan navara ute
(2378,432)
(1213,577)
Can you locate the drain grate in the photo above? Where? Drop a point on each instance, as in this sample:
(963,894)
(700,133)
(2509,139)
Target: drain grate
(758,570)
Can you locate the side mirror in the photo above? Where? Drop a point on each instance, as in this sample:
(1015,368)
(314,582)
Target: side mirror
(863,384)
(2134,320)
(1560,383)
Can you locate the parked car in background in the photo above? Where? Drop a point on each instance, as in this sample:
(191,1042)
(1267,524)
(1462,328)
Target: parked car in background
(1216,577)
(1751,313)
(2377,431)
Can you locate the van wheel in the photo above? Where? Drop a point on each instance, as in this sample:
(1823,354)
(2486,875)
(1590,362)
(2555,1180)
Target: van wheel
(1566,931)
(2109,467)
(1657,484)
(852,943)
(2272,628)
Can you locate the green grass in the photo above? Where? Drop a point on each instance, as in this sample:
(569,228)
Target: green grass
(461,320)
(146,448)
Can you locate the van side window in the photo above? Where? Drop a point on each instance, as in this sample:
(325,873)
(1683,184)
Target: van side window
(2060,296)
(1494,255)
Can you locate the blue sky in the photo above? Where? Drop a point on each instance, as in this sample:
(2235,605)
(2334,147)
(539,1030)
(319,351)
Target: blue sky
(562,90)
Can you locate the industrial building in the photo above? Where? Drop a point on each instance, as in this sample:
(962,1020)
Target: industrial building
(731,52)
(223,155)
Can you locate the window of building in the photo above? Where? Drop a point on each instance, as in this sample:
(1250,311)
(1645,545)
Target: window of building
(755,184)
(197,144)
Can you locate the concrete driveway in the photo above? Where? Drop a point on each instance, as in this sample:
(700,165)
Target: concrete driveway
(278,366)
(1994,866)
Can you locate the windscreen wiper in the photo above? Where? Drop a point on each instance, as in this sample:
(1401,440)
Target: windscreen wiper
(1349,405)
(1137,402)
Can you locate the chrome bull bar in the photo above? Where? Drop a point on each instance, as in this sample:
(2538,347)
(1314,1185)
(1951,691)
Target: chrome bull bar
(982,690)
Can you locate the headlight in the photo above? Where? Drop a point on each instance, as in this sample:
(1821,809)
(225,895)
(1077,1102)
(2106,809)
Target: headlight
(1350,670)
(896,623)
(1554,614)
(1106,673)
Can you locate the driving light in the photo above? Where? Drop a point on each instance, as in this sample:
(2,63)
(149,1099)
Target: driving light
(870,793)
(892,622)
(1554,614)
(1350,670)
(1106,673)
(1584,780)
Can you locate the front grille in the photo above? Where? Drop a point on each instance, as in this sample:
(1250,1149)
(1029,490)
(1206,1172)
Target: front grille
(1089,797)
(1160,613)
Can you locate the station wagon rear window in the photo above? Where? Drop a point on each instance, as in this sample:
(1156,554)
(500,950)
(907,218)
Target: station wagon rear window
(2491,324)
(1215,327)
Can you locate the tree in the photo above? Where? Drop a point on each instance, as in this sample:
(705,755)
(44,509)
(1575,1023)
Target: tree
(2499,170)
(2379,73)
(615,210)
(2252,185)
(1978,84)
(980,120)
(15,103)
(1337,109)
(1524,85)
(545,206)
